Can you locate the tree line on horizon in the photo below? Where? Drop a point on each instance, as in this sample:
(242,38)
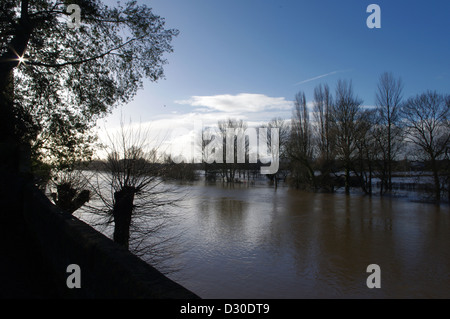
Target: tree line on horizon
(341,142)
(335,142)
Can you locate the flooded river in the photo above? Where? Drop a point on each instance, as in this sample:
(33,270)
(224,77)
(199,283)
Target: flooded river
(258,242)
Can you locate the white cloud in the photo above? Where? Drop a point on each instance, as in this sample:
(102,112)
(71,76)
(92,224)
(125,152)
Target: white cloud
(174,133)
(241,103)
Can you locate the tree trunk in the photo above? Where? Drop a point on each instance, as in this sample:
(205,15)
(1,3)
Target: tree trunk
(122,212)
(389,166)
(382,185)
(8,61)
(347,180)
(6,105)
(437,184)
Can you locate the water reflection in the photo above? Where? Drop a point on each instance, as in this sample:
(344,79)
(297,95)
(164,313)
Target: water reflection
(255,242)
(337,236)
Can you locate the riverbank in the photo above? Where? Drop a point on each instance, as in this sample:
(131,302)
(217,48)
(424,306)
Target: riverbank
(22,271)
(38,242)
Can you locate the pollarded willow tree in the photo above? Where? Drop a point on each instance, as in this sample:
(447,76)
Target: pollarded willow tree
(130,195)
(56,81)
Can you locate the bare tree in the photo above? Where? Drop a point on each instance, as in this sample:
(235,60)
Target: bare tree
(70,190)
(346,109)
(322,114)
(301,144)
(388,100)
(447,160)
(132,193)
(284,135)
(367,150)
(284,132)
(428,129)
(232,146)
(322,104)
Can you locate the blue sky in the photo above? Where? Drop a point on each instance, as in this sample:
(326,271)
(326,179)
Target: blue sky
(248,58)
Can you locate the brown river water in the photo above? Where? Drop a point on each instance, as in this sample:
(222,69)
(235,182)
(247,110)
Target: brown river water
(258,242)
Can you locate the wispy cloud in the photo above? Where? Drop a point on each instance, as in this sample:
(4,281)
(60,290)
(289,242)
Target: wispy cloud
(244,102)
(321,76)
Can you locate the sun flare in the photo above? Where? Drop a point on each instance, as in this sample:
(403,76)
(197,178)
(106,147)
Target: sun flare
(21,60)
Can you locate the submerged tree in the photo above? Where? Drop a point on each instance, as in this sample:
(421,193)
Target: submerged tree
(283,145)
(427,120)
(55,81)
(388,99)
(301,150)
(366,149)
(325,140)
(345,118)
(235,146)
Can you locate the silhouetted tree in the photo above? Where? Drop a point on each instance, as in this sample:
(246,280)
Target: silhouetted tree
(283,144)
(388,100)
(427,120)
(56,81)
(180,172)
(233,144)
(132,192)
(345,115)
(325,140)
(301,149)
(366,149)
(72,190)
